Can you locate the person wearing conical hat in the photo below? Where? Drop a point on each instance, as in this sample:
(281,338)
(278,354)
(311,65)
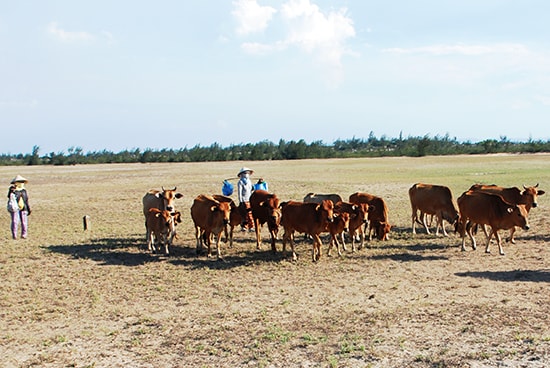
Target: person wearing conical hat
(244,190)
(18,206)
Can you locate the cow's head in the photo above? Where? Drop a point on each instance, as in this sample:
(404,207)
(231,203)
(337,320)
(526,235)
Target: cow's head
(531,194)
(168,197)
(363,210)
(520,214)
(222,209)
(166,218)
(344,217)
(273,207)
(383,231)
(326,207)
(177,217)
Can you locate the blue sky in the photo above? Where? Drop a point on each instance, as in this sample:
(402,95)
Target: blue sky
(123,74)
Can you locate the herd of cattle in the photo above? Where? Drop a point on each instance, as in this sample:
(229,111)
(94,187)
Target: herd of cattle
(216,215)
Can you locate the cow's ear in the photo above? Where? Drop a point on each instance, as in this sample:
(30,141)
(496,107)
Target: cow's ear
(179,195)
(540,192)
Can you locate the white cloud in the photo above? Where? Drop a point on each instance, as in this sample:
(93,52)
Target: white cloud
(545,100)
(67,36)
(251,16)
(462,49)
(32,104)
(318,33)
(256,48)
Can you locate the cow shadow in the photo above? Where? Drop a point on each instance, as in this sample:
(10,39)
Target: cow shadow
(188,257)
(109,251)
(407,257)
(510,276)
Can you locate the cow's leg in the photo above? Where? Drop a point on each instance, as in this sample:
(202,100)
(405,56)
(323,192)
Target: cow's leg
(317,244)
(352,236)
(488,235)
(499,242)
(231,228)
(362,236)
(472,238)
(290,236)
(285,238)
(198,235)
(511,237)
(273,233)
(443,227)
(424,216)
(414,217)
(150,241)
(344,240)
(218,238)
(258,233)
(330,245)
(338,243)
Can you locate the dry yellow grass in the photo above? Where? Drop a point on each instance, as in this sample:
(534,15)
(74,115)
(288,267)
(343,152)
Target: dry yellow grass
(71,298)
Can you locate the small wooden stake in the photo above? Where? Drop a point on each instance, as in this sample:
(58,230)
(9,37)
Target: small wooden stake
(87,222)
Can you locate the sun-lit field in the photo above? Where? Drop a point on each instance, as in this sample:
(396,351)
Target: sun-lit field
(96,298)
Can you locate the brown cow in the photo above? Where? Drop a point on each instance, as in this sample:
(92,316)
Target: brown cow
(163,200)
(336,228)
(435,200)
(308,218)
(265,208)
(489,209)
(160,225)
(210,217)
(358,219)
(176,219)
(378,216)
(513,195)
(318,198)
(235,217)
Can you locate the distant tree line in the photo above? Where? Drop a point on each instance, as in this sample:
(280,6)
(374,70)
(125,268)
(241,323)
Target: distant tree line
(284,150)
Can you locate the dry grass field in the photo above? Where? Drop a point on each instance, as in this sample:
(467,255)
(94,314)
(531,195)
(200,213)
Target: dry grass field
(96,298)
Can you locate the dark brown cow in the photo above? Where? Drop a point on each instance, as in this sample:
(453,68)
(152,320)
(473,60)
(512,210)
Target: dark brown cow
(308,218)
(265,208)
(358,219)
(162,199)
(160,225)
(514,195)
(378,216)
(318,198)
(435,200)
(235,217)
(210,217)
(336,229)
(489,209)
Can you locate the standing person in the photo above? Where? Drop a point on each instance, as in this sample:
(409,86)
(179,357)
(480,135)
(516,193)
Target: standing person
(18,206)
(261,184)
(244,190)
